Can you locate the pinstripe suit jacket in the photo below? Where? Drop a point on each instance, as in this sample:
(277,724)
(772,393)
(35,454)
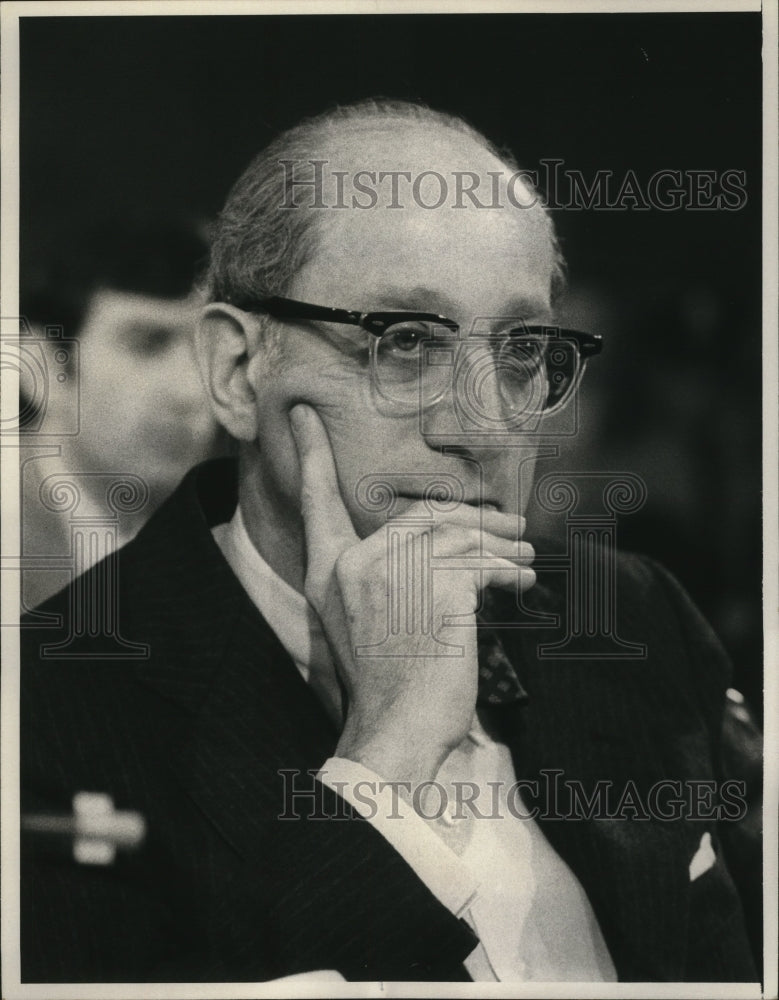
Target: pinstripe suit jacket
(195,731)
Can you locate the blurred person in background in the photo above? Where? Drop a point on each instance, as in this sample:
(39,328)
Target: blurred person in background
(125,398)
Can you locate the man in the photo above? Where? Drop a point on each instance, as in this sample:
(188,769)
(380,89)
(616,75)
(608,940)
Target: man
(111,391)
(315,673)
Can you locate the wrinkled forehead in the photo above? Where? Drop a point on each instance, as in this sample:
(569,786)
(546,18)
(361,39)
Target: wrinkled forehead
(425,206)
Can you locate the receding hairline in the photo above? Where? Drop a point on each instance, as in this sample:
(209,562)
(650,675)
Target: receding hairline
(257,249)
(354,122)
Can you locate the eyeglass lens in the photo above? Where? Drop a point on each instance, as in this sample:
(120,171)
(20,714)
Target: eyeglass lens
(522,373)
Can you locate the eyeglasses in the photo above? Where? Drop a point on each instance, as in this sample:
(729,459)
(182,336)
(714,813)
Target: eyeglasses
(416,358)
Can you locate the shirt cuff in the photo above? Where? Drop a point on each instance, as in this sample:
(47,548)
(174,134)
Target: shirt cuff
(379,802)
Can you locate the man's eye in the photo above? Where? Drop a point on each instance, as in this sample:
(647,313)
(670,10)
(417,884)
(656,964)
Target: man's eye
(406,338)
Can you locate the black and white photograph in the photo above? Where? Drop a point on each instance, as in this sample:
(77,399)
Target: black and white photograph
(389,461)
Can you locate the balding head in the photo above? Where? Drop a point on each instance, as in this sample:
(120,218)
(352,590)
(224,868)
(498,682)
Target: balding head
(375,156)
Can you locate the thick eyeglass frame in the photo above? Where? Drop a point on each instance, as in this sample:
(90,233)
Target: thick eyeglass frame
(377,323)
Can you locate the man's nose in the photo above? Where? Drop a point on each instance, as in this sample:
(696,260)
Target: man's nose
(470,412)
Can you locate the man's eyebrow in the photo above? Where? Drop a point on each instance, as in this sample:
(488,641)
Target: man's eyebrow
(416,299)
(423,299)
(526,307)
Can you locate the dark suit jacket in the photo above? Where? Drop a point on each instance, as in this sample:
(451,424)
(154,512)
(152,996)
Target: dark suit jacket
(194,732)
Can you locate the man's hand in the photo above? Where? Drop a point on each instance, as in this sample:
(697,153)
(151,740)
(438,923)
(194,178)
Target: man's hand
(409,707)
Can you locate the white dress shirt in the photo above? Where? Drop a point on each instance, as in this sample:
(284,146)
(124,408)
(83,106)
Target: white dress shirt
(498,871)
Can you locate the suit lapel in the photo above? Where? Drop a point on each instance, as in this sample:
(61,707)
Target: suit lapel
(247,714)
(259,725)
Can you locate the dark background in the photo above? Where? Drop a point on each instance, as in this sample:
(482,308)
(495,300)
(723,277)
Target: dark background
(160,113)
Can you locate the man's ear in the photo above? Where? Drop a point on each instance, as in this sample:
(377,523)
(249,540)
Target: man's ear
(226,339)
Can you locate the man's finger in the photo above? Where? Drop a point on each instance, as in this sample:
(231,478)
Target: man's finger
(504,574)
(451,540)
(483,518)
(325,517)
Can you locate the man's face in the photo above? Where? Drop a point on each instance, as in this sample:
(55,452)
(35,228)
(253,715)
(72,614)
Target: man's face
(143,408)
(466,265)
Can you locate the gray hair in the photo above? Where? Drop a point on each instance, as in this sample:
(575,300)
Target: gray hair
(257,249)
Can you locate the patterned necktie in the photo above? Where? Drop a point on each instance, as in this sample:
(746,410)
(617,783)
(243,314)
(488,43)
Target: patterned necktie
(498,681)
